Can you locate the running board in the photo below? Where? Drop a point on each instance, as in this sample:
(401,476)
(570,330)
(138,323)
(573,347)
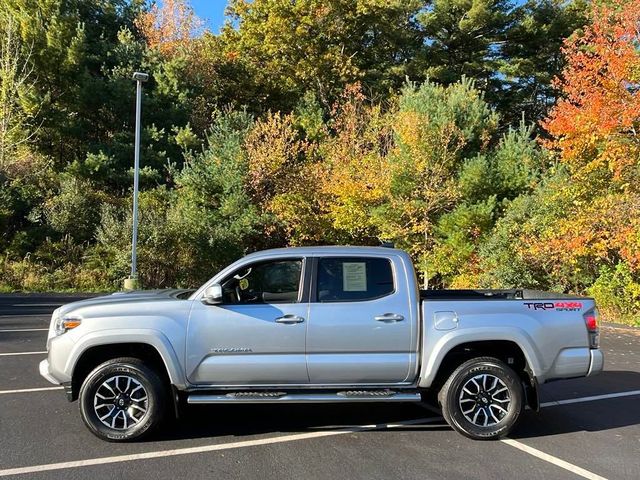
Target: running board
(284,397)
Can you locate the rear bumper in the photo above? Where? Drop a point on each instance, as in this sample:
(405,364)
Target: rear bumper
(596,363)
(576,362)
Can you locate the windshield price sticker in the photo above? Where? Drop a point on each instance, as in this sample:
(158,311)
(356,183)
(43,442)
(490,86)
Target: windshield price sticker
(354,277)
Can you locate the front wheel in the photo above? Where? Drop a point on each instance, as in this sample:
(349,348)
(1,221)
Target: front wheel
(482,399)
(122,399)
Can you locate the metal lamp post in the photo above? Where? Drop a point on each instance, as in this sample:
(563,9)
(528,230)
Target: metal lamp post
(131,283)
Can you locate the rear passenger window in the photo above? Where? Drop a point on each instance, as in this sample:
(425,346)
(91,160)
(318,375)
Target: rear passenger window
(352,279)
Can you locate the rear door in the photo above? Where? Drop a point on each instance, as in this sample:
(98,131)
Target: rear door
(360,327)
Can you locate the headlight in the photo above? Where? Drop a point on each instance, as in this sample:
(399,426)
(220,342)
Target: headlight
(65,323)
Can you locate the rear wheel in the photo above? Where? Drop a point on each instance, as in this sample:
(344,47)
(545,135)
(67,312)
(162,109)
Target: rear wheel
(482,399)
(122,399)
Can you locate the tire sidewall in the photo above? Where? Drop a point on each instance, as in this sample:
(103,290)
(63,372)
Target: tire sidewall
(457,419)
(145,376)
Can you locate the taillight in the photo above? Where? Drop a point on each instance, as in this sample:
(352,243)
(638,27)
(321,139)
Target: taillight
(591,320)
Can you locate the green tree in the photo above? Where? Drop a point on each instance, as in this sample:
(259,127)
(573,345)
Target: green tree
(16,89)
(436,129)
(465,38)
(216,219)
(532,56)
(487,183)
(321,46)
(70,41)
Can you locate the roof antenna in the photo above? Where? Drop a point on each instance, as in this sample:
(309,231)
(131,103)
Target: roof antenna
(387,244)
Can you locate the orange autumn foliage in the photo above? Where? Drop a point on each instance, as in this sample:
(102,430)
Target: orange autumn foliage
(594,127)
(594,131)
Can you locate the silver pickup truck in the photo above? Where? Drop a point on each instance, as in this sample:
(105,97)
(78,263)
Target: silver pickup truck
(314,325)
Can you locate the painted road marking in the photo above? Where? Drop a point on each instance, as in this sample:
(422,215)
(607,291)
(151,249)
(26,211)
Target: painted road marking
(553,460)
(29,390)
(8,330)
(21,353)
(209,448)
(592,398)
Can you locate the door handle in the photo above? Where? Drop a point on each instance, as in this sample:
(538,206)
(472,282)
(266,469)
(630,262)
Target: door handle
(289,319)
(389,318)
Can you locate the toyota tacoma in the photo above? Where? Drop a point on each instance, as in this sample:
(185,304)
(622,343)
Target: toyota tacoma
(318,325)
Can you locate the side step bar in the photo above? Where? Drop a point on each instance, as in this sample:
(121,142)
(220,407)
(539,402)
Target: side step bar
(284,397)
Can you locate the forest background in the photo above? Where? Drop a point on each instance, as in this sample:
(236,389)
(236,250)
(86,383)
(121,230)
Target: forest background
(495,141)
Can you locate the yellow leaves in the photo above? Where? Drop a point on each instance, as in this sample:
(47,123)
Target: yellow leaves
(355,184)
(170,26)
(597,232)
(273,150)
(407,127)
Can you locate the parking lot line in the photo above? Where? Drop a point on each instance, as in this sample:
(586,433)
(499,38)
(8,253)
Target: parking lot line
(551,459)
(29,390)
(210,448)
(21,353)
(592,398)
(24,330)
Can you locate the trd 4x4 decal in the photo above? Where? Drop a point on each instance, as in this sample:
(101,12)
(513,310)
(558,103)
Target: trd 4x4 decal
(557,306)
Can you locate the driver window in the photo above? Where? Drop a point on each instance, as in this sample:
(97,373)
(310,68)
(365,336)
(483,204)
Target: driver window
(274,281)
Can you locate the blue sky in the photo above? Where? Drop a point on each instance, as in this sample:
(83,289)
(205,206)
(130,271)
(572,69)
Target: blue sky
(212,11)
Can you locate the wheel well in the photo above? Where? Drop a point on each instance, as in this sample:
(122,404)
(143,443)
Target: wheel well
(94,356)
(507,351)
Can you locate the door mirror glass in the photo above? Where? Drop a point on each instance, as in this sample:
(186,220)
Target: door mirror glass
(213,294)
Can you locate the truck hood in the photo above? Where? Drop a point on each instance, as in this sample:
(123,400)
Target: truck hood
(124,298)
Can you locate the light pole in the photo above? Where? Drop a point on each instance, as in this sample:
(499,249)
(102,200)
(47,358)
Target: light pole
(132,282)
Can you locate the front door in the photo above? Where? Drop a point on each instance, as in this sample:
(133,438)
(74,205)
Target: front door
(257,335)
(361,329)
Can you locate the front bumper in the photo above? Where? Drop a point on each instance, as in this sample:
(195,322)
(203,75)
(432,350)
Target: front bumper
(596,363)
(46,373)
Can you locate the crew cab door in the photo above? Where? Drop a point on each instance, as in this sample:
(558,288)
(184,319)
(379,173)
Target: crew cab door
(362,327)
(257,335)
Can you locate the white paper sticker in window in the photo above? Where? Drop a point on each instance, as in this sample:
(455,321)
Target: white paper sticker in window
(354,277)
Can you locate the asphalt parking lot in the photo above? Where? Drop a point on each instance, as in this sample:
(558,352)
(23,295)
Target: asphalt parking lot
(588,428)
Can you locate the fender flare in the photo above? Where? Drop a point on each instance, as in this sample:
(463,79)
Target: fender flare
(432,360)
(151,337)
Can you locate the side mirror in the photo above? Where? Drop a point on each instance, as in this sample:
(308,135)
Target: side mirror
(213,295)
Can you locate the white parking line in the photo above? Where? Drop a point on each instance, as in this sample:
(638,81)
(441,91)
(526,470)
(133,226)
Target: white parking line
(21,353)
(29,390)
(590,399)
(209,448)
(8,330)
(553,460)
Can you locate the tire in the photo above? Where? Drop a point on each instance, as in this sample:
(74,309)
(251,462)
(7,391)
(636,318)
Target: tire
(138,404)
(482,399)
